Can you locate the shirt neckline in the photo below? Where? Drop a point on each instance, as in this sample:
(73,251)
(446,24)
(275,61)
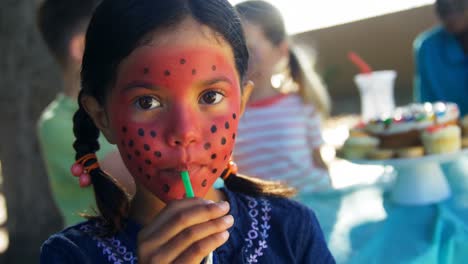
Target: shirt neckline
(267,101)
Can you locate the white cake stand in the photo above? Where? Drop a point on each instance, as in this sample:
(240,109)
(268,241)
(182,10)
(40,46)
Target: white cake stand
(419,180)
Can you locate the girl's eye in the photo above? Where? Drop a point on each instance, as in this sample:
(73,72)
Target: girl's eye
(147,102)
(211,97)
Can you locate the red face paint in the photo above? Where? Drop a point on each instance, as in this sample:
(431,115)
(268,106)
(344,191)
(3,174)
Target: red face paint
(173,110)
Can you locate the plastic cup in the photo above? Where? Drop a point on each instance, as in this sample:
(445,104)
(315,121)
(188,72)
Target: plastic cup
(376,92)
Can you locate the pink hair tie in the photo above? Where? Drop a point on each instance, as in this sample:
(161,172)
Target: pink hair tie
(231,169)
(79,169)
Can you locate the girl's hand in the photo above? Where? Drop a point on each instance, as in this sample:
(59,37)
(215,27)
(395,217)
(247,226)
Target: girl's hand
(185,231)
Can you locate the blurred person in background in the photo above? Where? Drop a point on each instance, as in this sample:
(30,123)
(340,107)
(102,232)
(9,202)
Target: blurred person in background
(441,56)
(279,136)
(63,24)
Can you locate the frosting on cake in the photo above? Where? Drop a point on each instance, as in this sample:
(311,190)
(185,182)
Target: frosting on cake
(414,117)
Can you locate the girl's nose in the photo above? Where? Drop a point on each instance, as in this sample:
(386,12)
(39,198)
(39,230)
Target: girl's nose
(184,129)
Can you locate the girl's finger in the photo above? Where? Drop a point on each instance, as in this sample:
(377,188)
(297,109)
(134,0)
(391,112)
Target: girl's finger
(168,212)
(199,250)
(181,218)
(181,242)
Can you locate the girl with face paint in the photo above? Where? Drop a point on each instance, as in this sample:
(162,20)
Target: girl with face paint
(164,81)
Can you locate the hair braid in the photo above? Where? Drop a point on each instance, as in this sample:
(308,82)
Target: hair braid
(86,133)
(111,201)
(258,187)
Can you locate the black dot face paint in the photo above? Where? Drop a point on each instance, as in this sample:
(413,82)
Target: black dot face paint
(213,156)
(129,157)
(226,125)
(148,162)
(167,73)
(225,157)
(203,184)
(213,129)
(223,141)
(182,61)
(146,147)
(233,135)
(214,171)
(124,129)
(153,133)
(207,146)
(145,71)
(131,143)
(141,132)
(137,153)
(213,68)
(166,188)
(194,71)
(234,116)
(158,154)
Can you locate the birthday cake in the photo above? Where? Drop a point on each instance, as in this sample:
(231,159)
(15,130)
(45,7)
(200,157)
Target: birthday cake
(403,128)
(400,135)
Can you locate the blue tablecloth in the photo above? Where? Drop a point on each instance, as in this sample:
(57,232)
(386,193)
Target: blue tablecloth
(363,225)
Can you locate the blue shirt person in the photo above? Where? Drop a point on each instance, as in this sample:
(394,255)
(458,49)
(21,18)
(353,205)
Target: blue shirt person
(441,56)
(442,68)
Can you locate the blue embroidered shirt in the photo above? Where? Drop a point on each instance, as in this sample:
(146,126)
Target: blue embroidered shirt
(441,69)
(266,230)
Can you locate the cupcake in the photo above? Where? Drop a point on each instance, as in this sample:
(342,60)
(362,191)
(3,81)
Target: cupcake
(410,152)
(464,142)
(464,125)
(441,139)
(381,154)
(358,131)
(359,147)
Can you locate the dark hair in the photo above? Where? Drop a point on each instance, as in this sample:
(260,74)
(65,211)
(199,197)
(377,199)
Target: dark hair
(269,18)
(445,8)
(59,20)
(117,28)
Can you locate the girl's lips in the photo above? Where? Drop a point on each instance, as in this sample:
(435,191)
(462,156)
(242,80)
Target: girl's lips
(176,170)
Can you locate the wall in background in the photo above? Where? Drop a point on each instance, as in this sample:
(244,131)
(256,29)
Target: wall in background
(385,42)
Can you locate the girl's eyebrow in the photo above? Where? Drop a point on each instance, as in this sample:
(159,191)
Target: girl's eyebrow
(216,80)
(140,84)
(151,86)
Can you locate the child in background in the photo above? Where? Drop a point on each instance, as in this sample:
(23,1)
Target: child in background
(279,135)
(441,56)
(164,81)
(63,25)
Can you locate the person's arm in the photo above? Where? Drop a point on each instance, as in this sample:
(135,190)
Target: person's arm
(318,159)
(423,90)
(314,139)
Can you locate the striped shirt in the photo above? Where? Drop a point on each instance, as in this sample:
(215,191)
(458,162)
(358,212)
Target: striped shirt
(275,141)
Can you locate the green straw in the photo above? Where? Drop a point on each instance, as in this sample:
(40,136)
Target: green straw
(187,184)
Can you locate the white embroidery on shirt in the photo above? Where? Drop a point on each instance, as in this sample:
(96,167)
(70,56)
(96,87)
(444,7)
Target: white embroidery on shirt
(111,247)
(257,235)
